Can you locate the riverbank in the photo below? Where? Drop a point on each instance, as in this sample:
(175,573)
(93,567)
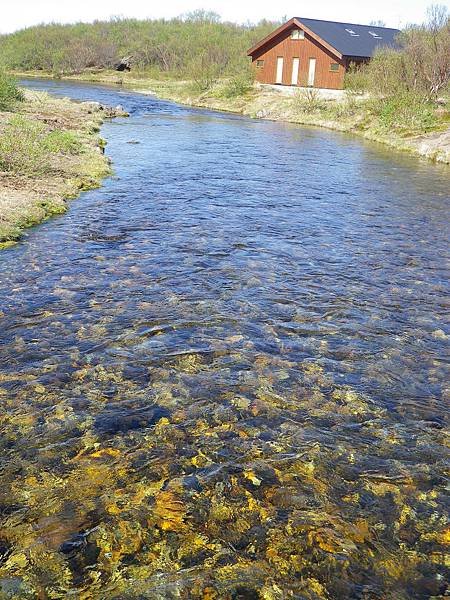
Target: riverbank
(50,152)
(352,114)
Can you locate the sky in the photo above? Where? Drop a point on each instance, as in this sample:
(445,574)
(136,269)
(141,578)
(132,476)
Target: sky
(395,13)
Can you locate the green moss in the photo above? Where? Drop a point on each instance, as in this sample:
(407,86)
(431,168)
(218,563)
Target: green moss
(8,244)
(52,208)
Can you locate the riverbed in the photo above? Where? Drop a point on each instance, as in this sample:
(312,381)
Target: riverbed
(223,374)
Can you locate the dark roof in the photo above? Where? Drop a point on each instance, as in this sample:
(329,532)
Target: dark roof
(350,39)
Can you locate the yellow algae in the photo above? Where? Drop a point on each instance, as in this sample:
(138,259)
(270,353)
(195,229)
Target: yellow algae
(18,560)
(169,511)
(105,453)
(200,460)
(209,593)
(251,476)
(444,537)
(220,512)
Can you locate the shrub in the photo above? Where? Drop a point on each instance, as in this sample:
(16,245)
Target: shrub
(357,79)
(239,85)
(10,94)
(308,101)
(420,65)
(195,46)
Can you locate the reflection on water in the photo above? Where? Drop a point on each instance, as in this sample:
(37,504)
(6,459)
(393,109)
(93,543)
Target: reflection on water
(222,375)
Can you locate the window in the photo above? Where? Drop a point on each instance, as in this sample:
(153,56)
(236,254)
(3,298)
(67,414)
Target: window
(298,34)
(352,33)
(334,67)
(375,35)
(259,64)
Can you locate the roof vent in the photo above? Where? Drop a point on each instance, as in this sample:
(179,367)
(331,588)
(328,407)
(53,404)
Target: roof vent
(375,35)
(352,33)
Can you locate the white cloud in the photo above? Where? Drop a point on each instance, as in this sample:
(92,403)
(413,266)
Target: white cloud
(22,13)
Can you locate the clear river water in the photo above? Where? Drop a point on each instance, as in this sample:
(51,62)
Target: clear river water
(223,374)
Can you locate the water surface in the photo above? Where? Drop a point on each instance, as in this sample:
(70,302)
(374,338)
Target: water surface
(222,375)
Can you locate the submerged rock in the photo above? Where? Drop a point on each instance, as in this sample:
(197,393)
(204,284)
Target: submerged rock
(122,419)
(74,544)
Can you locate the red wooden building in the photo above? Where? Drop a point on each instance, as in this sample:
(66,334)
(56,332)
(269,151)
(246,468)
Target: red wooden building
(313,53)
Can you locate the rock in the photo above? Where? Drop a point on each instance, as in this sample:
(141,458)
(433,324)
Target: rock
(93,107)
(74,544)
(191,482)
(5,551)
(121,419)
(117,111)
(124,64)
(439,334)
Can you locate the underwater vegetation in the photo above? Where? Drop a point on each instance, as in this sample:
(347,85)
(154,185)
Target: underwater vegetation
(165,481)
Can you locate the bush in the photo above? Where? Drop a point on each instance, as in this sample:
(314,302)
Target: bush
(357,79)
(420,65)
(308,101)
(10,94)
(238,85)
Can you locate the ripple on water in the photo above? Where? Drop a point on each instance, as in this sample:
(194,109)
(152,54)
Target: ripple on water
(222,375)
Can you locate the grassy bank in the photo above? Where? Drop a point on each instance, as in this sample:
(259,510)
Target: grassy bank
(50,151)
(404,125)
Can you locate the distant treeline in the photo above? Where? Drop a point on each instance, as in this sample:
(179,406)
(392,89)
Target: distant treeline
(189,46)
(201,48)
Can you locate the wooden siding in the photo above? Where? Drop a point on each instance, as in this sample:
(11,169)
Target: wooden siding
(304,49)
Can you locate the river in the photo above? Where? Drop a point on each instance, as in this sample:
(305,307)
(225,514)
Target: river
(223,374)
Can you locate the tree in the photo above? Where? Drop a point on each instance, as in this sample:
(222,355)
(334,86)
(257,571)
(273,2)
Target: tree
(420,65)
(426,51)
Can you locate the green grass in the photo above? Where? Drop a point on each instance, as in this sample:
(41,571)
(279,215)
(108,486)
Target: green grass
(407,114)
(402,115)
(64,142)
(22,148)
(26,145)
(10,94)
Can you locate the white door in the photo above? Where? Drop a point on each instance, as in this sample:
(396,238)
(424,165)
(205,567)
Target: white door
(280,65)
(295,71)
(312,72)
